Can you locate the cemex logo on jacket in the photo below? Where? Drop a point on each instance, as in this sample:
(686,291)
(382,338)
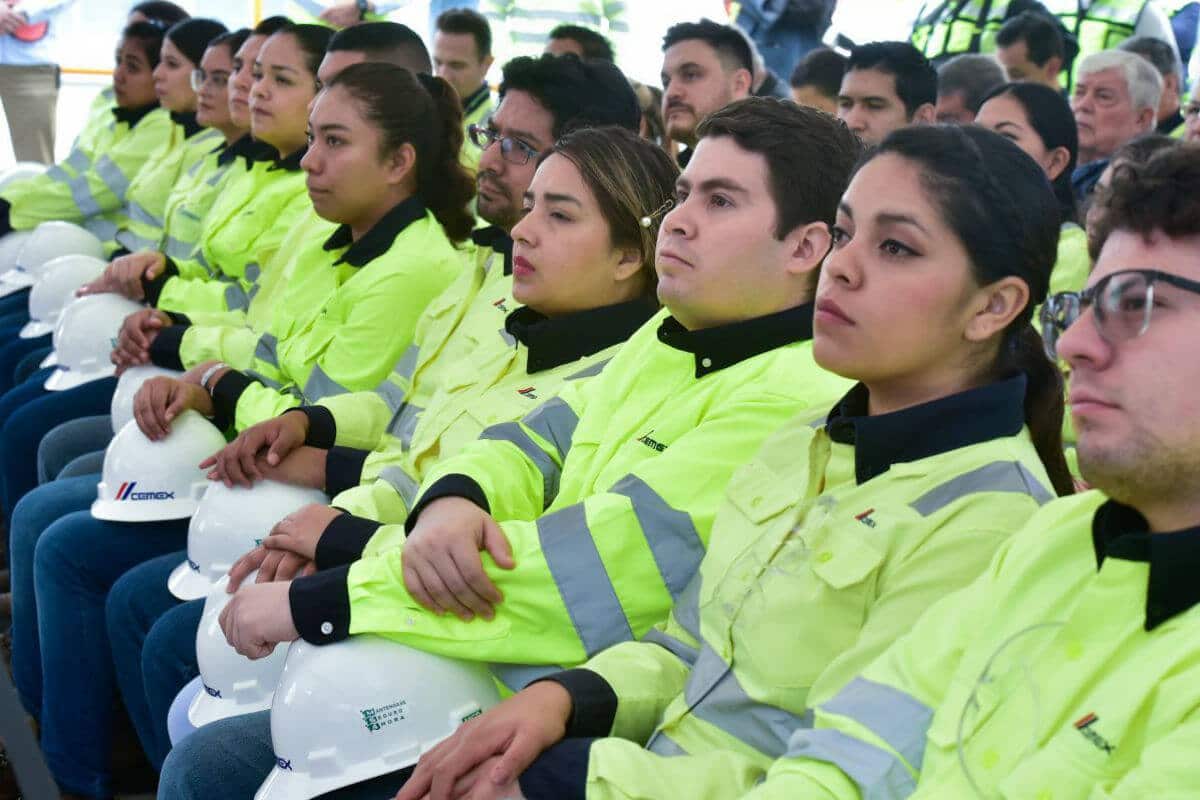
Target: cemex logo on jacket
(1084,725)
(126,492)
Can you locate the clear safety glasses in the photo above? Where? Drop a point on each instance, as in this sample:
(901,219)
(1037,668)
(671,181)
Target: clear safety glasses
(218,80)
(512,150)
(1122,302)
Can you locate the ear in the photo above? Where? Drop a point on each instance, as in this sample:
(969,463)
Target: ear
(1053,66)
(487,62)
(926,114)
(628,265)
(1170,84)
(1059,157)
(1146,119)
(742,81)
(996,306)
(401,163)
(808,246)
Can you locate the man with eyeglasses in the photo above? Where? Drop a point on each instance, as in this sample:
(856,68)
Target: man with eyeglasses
(1071,667)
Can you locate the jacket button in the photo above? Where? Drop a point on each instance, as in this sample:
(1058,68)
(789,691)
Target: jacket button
(1074,650)
(825,556)
(326,628)
(706,362)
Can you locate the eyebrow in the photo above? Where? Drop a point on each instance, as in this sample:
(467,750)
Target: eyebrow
(865,98)
(513,133)
(332,126)
(717,184)
(895,218)
(1006,124)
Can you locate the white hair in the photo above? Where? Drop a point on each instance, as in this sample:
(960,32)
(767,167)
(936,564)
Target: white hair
(1142,79)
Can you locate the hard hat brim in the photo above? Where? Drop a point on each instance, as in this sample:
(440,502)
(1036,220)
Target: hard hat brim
(35,328)
(179,726)
(50,360)
(188,584)
(62,378)
(282,784)
(206,709)
(145,511)
(7,288)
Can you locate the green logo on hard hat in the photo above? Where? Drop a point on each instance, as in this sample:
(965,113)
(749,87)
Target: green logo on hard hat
(379,717)
(477,712)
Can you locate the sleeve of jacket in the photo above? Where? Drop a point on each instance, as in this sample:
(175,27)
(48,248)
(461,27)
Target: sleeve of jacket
(233,344)
(363,419)
(99,189)
(589,574)
(869,737)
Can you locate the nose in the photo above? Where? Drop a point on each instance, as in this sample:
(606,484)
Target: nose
(841,266)
(679,221)
(854,118)
(525,231)
(1082,346)
(311,161)
(490,159)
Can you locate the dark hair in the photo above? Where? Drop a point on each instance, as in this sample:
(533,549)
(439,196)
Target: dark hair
(167,14)
(1050,117)
(971,74)
(575,92)
(1156,195)
(231,39)
(465,20)
(312,39)
(1160,54)
(916,79)
(1136,152)
(809,155)
(149,38)
(387,42)
(593,43)
(822,69)
(423,111)
(271,25)
(999,204)
(650,99)
(192,36)
(731,46)
(1041,35)
(631,179)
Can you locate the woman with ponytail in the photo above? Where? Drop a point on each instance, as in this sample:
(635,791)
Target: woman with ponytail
(849,522)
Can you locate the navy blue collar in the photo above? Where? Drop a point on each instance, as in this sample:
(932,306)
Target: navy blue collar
(1119,531)
(132,116)
(291,162)
(187,121)
(475,99)
(725,345)
(561,340)
(939,426)
(498,240)
(380,238)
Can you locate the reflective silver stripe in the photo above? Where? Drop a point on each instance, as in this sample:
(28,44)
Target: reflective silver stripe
(139,214)
(57,173)
(687,607)
(582,579)
(195,167)
(216,178)
(236,297)
(554,421)
(392,395)
(407,364)
(104,229)
(253,272)
(715,695)
(270,383)
(132,242)
(266,348)
(508,338)
(999,476)
(78,161)
(405,424)
(897,717)
(81,195)
(514,434)
(175,248)
(113,177)
(517,676)
(589,372)
(662,745)
(402,482)
(319,385)
(879,774)
(681,650)
(670,533)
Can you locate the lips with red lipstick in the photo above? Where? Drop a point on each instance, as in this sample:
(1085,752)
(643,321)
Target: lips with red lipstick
(830,312)
(521,267)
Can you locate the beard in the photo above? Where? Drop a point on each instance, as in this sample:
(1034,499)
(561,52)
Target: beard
(1143,470)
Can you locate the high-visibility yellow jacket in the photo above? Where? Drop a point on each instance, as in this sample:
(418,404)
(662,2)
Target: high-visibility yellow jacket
(481,390)
(252,213)
(830,541)
(1067,670)
(605,493)
(341,329)
(93,194)
(146,201)
(464,322)
(476,110)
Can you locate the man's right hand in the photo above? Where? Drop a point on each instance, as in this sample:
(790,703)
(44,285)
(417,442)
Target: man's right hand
(138,332)
(124,275)
(236,462)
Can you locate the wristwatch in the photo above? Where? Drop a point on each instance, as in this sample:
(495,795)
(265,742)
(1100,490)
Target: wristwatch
(363,7)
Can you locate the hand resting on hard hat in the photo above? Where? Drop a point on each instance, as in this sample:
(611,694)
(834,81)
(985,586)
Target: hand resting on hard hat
(243,461)
(443,570)
(163,399)
(124,275)
(488,754)
(270,566)
(138,332)
(258,617)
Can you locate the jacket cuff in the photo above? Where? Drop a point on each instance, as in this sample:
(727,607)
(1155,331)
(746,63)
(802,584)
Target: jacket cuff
(560,772)
(343,469)
(177,318)
(343,540)
(320,606)
(322,427)
(449,486)
(5,223)
(164,350)
(153,288)
(225,395)
(593,701)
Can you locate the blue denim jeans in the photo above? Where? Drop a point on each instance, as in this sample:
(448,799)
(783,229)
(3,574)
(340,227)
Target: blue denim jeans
(153,639)
(69,441)
(13,352)
(76,562)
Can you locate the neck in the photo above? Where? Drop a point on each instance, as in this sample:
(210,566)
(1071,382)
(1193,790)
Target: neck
(231,132)
(699,319)
(1170,105)
(888,396)
(1087,155)
(1174,513)
(362,225)
(287,148)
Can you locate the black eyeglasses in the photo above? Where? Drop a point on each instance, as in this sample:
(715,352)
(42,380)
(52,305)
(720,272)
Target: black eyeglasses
(1123,303)
(512,150)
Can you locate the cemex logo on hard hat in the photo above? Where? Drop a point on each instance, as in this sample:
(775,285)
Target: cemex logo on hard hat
(126,492)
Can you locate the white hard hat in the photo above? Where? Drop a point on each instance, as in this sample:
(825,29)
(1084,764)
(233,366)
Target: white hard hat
(20,171)
(363,707)
(233,684)
(228,524)
(57,281)
(128,384)
(10,247)
(144,481)
(49,241)
(84,338)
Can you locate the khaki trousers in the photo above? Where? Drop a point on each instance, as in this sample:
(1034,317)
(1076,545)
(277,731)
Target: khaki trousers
(30,97)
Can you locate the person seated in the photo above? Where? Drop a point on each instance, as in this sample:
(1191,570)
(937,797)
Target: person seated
(583,42)
(816,80)
(1169,121)
(1030,47)
(963,82)
(887,86)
